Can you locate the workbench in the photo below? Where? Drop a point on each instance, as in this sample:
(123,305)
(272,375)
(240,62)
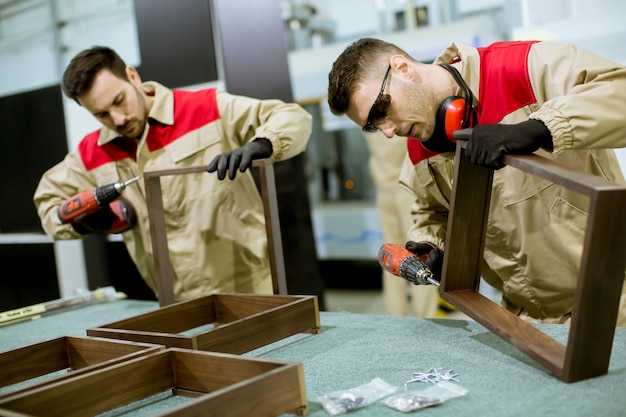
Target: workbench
(352,349)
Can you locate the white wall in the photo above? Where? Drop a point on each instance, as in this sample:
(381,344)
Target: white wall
(33,55)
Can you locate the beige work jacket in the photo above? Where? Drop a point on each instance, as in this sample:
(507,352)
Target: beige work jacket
(215,229)
(535,229)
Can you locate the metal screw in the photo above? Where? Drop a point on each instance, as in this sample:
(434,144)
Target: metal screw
(433,375)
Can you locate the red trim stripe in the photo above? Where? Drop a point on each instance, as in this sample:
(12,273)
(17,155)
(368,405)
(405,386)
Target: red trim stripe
(192,110)
(504,81)
(94,156)
(504,87)
(417,152)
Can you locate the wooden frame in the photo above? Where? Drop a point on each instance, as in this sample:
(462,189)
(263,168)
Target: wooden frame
(77,354)
(240,322)
(598,291)
(223,385)
(158,234)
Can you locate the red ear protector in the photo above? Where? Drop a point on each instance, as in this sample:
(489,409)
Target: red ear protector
(455,113)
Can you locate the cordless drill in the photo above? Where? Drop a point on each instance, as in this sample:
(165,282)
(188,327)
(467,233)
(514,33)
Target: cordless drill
(88,202)
(405,264)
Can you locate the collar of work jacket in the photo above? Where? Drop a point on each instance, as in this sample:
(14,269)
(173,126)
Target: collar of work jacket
(468,62)
(162,109)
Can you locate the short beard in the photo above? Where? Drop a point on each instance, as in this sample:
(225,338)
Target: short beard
(421,102)
(143,112)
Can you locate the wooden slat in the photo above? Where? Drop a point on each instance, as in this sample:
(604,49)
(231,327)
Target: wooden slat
(262,329)
(594,315)
(242,322)
(90,352)
(272,225)
(225,385)
(77,354)
(196,312)
(84,395)
(231,307)
(467,223)
(158,231)
(241,388)
(32,361)
(165,339)
(158,234)
(207,373)
(581,182)
(597,297)
(525,337)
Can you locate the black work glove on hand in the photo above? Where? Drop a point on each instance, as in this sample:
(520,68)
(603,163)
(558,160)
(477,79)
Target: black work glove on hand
(240,158)
(435,256)
(117,217)
(490,142)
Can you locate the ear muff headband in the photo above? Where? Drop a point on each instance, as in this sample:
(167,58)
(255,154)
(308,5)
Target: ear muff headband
(468,115)
(455,113)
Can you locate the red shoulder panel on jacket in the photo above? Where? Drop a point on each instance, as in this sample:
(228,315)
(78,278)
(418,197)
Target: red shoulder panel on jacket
(417,152)
(94,156)
(192,110)
(504,81)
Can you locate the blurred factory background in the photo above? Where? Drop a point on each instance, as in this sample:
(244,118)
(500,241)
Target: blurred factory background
(198,43)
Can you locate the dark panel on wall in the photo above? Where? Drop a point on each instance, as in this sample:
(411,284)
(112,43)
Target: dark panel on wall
(254,55)
(33,140)
(175,42)
(254,48)
(29,275)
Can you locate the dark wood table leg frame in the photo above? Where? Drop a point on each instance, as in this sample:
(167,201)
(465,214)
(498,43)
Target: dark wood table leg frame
(162,263)
(602,267)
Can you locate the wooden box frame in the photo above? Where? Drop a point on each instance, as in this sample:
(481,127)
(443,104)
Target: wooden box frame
(158,233)
(223,385)
(77,354)
(241,322)
(602,267)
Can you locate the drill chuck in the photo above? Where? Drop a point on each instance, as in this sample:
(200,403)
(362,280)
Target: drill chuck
(414,270)
(106,194)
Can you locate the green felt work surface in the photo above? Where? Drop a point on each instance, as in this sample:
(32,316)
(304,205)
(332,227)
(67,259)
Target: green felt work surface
(353,349)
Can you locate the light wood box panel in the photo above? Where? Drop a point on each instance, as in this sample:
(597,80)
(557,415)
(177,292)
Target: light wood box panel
(600,280)
(238,323)
(76,354)
(222,385)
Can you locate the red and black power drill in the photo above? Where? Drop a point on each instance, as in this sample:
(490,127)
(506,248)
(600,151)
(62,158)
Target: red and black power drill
(405,264)
(77,208)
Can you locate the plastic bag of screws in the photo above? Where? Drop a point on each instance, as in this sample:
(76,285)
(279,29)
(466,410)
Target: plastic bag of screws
(438,393)
(342,401)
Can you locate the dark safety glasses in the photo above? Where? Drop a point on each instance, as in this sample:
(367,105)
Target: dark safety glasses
(379,109)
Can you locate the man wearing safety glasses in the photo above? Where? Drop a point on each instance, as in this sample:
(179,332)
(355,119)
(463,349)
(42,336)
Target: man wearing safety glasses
(556,100)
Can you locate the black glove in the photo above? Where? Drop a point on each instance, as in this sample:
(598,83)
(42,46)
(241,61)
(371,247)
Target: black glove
(117,217)
(490,142)
(435,256)
(240,158)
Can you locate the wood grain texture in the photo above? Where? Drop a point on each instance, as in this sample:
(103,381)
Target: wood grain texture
(241,322)
(222,384)
(158,231)
(272,225)
(596,302)
(76,354)
(158,236)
